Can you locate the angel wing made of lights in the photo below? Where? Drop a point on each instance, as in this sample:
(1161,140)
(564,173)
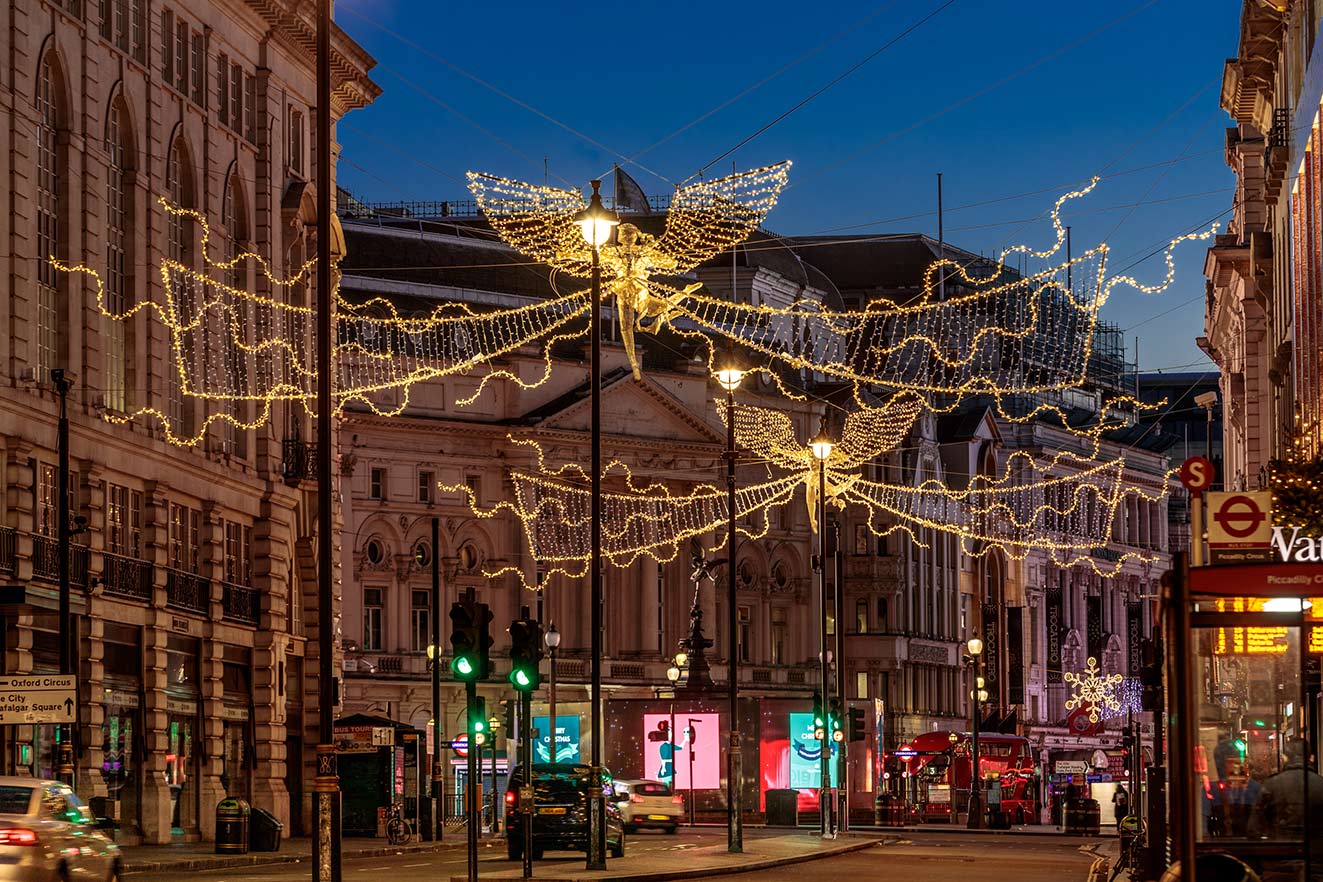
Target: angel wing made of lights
(705,219)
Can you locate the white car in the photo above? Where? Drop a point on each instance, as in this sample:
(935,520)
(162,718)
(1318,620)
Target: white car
(47,834)
(648,804)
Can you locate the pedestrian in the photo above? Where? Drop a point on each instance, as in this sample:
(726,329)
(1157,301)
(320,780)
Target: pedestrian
(1285,800)
(1120,803)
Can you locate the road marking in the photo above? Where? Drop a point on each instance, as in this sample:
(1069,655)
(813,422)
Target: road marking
(411,866)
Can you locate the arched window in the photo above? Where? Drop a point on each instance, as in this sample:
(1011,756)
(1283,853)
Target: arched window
(179,242)
(119,256)
(50,183)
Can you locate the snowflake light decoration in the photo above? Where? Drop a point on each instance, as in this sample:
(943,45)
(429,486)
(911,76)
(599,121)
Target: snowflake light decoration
(1095,691)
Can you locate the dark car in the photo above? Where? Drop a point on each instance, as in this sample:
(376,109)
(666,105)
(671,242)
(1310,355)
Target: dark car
(560,811)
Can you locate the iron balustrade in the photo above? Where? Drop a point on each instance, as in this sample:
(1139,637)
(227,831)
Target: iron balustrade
(46,560)
(186,590)
(8,549)
(239,603)
(127,576)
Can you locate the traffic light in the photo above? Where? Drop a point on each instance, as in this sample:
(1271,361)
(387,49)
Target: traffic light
(819,718)
(470,640)
(525,654)
(1127,745)
(855,730)
(834,720)
(478,720)
(1240,745)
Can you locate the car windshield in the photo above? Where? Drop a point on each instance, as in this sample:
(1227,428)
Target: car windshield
(651,788)
(15,799)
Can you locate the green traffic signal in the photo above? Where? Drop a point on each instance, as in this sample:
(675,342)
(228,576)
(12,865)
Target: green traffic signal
(462,666)
(525,653)
(1240,746)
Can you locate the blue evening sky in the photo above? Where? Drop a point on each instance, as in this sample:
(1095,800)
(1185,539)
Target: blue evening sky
(1122,84)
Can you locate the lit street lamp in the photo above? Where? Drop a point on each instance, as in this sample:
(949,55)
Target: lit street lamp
(822,445)
(597,224)
(730,375)
(673,674)
(552,639)
(977,695)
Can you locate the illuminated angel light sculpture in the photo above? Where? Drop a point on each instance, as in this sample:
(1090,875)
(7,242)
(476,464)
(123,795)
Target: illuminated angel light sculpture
(705,219)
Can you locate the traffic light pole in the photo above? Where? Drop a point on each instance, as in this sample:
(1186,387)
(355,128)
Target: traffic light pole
(438,775)
(474,789)
(838,586)
(526,785)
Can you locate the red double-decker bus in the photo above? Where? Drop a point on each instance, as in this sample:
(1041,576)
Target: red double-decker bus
(940,772)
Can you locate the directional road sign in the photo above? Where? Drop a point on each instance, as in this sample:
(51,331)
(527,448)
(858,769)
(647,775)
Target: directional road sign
(28,699)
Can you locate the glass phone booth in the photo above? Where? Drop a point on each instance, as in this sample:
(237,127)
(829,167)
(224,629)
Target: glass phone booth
(1243,650)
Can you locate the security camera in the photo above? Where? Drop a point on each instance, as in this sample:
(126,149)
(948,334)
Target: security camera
(1207,399)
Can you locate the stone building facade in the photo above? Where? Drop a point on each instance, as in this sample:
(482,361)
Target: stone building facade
(190,570)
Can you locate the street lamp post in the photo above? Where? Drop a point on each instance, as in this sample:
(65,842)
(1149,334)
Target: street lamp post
(494,723)
(821,446)
(730,377)
(977,695)
(552,639)
(673,674)
(597,224)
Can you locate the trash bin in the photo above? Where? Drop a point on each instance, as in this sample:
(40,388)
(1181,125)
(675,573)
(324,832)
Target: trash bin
(265,831)
(232,826)
(1081,817)
(890,812)
(782,808)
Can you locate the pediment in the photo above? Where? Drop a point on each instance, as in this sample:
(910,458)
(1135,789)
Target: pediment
(639,409)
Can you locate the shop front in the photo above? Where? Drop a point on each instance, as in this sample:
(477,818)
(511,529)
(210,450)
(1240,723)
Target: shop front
(183,734)
(122,743)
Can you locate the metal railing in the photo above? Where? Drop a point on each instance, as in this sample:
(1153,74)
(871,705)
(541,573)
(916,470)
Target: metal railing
(239,603)
(127,576)
(186,590)
(8,549)
(298,460)
(46,560)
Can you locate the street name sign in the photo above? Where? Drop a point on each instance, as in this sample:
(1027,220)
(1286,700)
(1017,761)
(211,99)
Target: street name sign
(29,699)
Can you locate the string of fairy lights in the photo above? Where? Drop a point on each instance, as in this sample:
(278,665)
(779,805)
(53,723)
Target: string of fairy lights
(971,329)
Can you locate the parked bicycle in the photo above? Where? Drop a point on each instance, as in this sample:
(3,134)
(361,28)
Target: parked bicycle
(398,829)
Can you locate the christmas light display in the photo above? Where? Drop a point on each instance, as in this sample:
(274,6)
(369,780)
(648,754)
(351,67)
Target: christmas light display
(236,352)
(705,219)
(1093,690)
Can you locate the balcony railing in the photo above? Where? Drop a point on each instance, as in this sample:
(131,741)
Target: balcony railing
(8,549)
(46,560)
(187,590)
(240,603)
(298,461)
(127,576)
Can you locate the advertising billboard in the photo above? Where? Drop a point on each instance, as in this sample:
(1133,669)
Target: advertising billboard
(567,739)
(697,744)
(806,755)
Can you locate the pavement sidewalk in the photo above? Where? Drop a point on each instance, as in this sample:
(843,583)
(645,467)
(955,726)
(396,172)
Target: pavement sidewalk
(202,855)
(760,853)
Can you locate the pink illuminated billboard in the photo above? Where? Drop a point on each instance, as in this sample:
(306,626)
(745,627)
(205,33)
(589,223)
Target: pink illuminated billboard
(697,744)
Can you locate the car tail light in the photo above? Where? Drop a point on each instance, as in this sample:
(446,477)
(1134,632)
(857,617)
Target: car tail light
(635,798)
(17,836)
(677,799)
(511,797)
